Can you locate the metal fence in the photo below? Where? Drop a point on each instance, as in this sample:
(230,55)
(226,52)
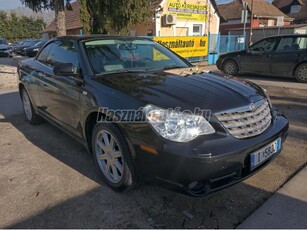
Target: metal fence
(219,44)
(264,32)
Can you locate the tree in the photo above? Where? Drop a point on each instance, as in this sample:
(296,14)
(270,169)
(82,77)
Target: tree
(57,5)
(118,15)
(14,28)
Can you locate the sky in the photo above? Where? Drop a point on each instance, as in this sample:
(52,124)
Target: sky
(9,4)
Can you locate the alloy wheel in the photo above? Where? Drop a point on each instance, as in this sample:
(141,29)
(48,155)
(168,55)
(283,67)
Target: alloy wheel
(230,68)
(109,156)
(27,104)
(302,73)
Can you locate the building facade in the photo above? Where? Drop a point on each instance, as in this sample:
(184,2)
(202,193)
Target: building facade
(264,15)
(171,18)
(181,18)
(73,23)
(296,9)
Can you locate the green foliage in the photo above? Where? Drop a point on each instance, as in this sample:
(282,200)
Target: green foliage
(113,15)
(38,5)
(14,28)
(57,5)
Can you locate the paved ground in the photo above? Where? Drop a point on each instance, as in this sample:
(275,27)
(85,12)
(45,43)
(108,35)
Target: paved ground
(285,209)
(47,180)
(8,73)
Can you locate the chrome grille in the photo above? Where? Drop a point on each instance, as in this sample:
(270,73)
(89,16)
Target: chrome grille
(249,122)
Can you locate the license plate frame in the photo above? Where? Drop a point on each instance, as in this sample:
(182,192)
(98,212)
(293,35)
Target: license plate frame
(265,153)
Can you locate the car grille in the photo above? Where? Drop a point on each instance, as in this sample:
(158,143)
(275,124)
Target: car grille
(248,123)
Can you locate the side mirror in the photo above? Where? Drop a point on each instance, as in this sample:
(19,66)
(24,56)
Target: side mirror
(65,69)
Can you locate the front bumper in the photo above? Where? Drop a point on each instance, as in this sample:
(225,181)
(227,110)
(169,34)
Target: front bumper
(6,53)
(201,167)
(30,53)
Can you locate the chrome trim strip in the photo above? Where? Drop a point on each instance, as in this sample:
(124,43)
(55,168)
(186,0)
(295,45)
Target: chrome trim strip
(243,108)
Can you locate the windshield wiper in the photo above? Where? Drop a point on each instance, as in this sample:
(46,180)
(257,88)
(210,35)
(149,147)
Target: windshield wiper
(167,68)
(120,71)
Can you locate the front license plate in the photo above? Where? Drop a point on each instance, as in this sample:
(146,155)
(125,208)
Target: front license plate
(265,153)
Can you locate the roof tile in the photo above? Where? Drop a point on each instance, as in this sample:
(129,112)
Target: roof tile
(261,9)
(72,18)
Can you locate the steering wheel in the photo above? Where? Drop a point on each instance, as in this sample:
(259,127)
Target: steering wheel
(142,60)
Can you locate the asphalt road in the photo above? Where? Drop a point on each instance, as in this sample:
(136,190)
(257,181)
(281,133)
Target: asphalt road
(48,180)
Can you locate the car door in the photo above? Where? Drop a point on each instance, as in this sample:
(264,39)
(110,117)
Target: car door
(60,95)
(288,54)
(258,56)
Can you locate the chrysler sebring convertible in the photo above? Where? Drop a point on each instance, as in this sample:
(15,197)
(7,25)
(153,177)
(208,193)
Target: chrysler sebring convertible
(145,113)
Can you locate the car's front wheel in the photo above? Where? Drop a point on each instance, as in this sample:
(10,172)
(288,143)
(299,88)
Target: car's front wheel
(230,67)
(301,73)
(113,158)
(29,111)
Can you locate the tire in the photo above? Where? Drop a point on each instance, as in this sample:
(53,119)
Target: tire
(230,67)
(30,113)
(113,161)
(301,73)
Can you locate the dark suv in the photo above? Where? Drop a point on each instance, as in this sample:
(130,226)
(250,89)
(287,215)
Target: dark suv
(280,55)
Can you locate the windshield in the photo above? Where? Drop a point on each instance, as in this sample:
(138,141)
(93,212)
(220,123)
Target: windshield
(118,55)
(3,42)
(40,43)
(30,43)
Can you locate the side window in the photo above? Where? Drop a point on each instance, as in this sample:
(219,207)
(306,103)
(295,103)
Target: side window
(266,45)
(301,43)
(63,52)
(42,57)
(286,44)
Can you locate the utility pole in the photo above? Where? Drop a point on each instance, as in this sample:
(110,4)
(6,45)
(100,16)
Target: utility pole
(251,23)
(244,18)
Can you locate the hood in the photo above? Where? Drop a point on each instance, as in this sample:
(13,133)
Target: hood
(22,47)
(32,47)
(4,46)
(181,88)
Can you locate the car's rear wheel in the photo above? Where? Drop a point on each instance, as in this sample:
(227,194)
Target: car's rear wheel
(30,113)
(113,158)
(230,67)
(301,73)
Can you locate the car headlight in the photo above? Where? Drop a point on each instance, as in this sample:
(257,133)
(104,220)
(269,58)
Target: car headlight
(176,126)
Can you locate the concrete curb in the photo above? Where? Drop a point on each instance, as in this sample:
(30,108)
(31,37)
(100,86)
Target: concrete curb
(287,208)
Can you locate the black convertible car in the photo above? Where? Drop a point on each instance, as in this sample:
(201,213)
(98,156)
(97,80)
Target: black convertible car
(145,113)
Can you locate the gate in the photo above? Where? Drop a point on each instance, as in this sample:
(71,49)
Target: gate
(219,44)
